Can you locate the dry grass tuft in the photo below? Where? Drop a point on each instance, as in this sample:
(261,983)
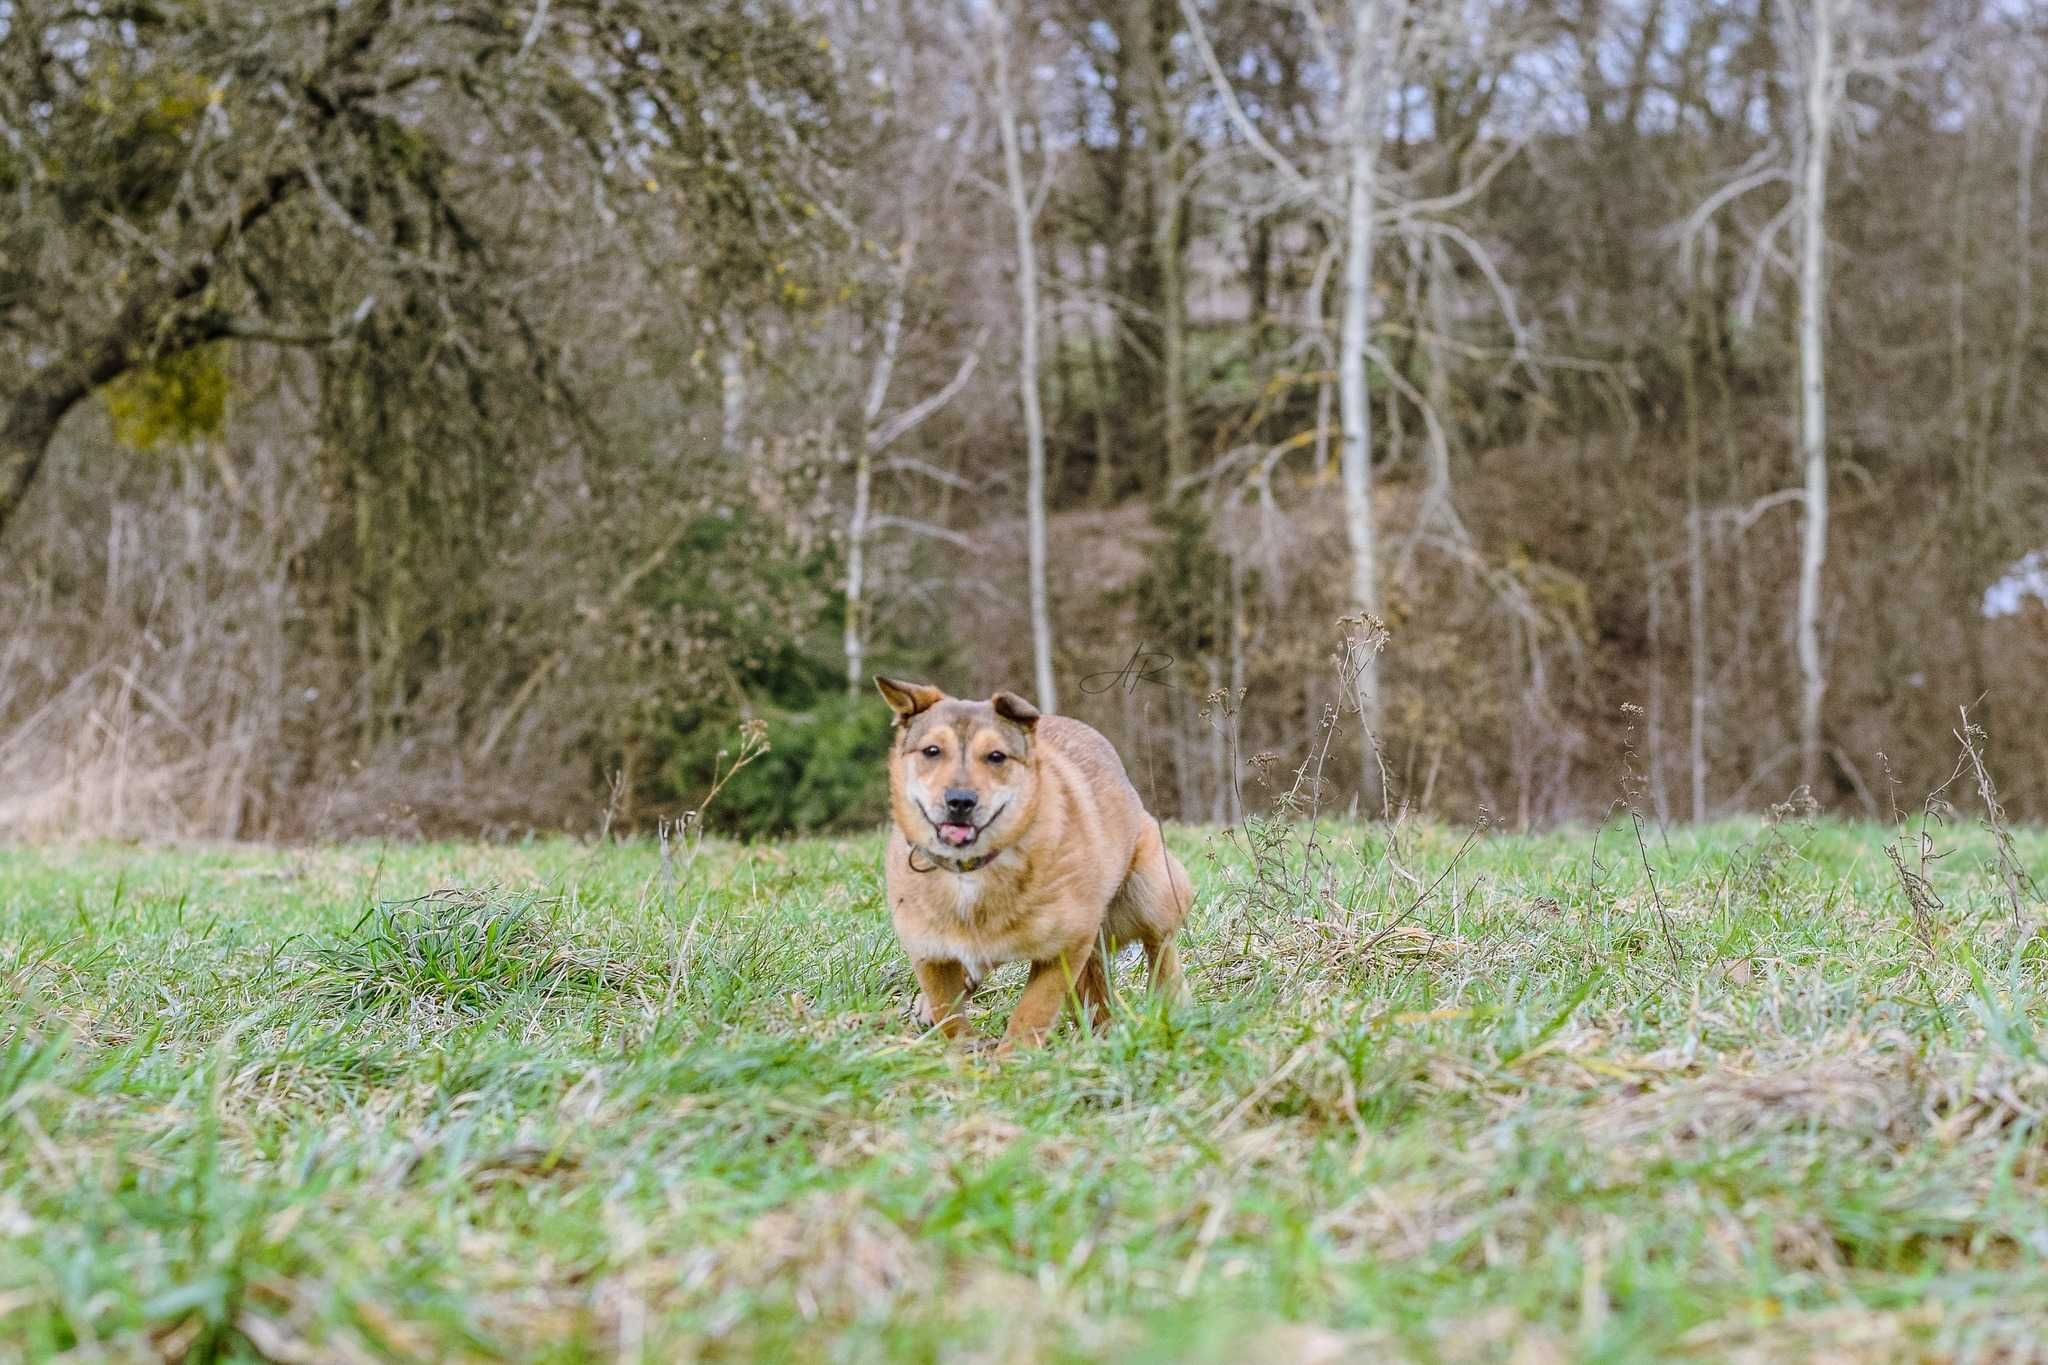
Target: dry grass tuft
(832,1256)
(1867,1336)
(1870,1092)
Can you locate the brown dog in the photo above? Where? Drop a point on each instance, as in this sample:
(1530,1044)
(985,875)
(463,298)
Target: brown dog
(1019,838)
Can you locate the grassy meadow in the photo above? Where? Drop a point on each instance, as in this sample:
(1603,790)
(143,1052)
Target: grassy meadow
(1440,1096)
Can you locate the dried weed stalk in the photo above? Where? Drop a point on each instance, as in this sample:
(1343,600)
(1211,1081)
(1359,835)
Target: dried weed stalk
(690,830)
(1917,883)
(1299,896)
(2012,873)
(1633,792)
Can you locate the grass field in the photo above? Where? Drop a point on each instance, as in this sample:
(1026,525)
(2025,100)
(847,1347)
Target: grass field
(1513,1102)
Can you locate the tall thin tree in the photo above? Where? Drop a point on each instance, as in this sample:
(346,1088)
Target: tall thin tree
(1024,217)
(1360,141)
(1821,79)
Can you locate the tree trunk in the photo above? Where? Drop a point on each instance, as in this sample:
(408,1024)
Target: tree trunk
(1354,410)
(1696,573)
(732,386)
(25,440)
(1059,441)
(1323,431)
(1821,82)
(1027,375)
(854,636)
(1103,489)
(1173,330)
(1151,25)
(1653,719)
(1438,506)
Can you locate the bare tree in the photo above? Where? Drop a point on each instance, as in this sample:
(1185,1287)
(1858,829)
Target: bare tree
(1150,35)
(542,397)
(1364,92)
(302,177)
(732,387)
(854,635)
(872,438)
(1024,204)
(1350,192)
(1821,78)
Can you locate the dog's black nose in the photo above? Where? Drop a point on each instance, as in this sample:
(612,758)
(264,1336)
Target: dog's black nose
(960,802)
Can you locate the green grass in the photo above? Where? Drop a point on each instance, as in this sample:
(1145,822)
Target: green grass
(583,1105)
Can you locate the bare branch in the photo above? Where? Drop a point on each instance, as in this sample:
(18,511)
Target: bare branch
(1464,194)
(925,528)
(905,464)
(1307,188)
(256,329)
(907,421)
(533,29)
(1760,170)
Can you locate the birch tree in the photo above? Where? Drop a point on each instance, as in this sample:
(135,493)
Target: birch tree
(912,108)
(1361,135)
(1348,190)
(1820,74)
(1024,204)
(732,396)
(854,636)
(872,438)
(1166,167)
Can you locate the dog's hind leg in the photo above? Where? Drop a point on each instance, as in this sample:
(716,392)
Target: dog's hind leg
(1164,959)
(1151,906)
(1091,989)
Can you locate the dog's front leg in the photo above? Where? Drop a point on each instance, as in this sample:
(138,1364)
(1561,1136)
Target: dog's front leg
(945,987)
(1052,981)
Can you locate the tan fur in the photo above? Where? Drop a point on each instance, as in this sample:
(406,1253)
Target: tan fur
(1078,866)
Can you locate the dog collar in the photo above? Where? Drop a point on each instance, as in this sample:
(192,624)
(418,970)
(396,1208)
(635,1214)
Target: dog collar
(956,865)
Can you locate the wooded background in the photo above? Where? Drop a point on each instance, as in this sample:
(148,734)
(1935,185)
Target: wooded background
(460,416)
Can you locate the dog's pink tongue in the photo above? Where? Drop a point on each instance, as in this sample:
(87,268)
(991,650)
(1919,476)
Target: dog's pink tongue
(956,835)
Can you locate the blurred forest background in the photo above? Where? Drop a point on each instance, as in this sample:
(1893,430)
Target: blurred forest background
(460,416)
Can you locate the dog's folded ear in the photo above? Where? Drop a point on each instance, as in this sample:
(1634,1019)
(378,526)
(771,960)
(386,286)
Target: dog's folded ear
(1010,706)
(906,699)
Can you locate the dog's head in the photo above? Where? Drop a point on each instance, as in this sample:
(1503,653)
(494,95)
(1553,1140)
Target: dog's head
(963,775)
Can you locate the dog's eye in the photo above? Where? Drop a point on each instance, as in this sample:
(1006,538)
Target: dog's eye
(931,751)
(998,758)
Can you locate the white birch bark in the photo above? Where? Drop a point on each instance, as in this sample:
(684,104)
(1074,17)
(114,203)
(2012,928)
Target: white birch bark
(1354,416)
(2023,247)
(854,635)
(1822,87)
(1696,595)
(1695,577)
(1024,216)
(732,386)
(1164,158)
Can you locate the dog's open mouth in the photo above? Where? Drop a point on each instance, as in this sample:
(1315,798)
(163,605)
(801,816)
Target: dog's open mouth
(956,834)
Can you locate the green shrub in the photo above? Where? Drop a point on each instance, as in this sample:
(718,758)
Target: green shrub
(823,771)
